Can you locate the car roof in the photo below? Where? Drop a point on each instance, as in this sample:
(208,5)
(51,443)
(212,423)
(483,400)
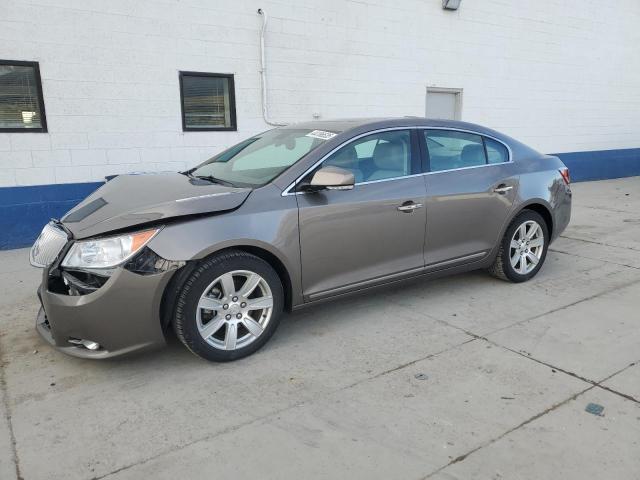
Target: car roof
(347,124)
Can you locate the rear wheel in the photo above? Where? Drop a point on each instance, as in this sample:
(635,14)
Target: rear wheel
(523,248)
(229,306)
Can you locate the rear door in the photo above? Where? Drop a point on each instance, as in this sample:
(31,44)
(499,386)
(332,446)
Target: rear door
(351,238)
(471,187)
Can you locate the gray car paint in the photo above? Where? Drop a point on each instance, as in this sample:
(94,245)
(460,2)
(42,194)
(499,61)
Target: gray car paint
(348,237)
(123,315)
(266,221)
(464,201)
(130,200)
(341,250)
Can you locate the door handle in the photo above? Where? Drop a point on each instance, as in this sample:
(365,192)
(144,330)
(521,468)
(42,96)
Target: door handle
(408,207)
(502,189)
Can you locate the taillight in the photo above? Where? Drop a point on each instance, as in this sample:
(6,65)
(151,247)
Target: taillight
(565,175)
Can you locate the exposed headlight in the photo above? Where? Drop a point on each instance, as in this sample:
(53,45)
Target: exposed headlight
(107,252)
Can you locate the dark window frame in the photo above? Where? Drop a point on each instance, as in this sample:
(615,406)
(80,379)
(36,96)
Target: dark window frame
(43,115)
(426,159)
(232,102)
(415,158)
(486,151)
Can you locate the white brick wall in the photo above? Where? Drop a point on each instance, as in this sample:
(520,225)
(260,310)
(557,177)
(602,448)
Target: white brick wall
(561,75)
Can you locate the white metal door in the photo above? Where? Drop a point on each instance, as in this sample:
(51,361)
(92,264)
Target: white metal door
(443,103)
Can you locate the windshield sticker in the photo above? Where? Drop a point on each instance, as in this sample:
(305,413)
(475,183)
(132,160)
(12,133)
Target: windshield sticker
(321,134)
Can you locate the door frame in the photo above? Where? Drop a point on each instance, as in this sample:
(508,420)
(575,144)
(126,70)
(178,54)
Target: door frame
(422,160)
(416,170)
(458,93)
(417,159)
(424,151)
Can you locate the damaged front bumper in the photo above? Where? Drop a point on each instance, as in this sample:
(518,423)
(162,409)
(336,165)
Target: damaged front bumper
(109,319)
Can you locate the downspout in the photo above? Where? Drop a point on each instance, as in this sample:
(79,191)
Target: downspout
(263,73)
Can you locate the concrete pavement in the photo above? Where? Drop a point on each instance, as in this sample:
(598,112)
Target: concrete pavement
(460,378)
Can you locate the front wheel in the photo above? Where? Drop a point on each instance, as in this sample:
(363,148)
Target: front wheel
(523,248)
(229,306)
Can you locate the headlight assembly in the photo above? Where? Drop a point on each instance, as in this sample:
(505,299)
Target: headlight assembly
(107,252)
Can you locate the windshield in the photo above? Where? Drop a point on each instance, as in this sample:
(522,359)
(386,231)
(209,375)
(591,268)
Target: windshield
(258,160)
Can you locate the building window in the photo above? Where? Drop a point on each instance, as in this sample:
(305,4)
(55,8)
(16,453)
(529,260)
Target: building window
(208,101)
(21,104)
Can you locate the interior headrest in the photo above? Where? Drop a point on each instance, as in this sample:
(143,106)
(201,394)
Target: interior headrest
(346,157)
(389,156)
(472,154)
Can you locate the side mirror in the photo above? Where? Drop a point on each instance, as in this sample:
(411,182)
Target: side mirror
(331,178)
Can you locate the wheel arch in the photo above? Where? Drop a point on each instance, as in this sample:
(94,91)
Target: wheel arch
(543,209)
(537,205)
(170,293)
(276,263)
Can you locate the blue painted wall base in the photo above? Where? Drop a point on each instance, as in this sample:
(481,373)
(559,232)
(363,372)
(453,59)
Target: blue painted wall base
(602,164)
(25,210)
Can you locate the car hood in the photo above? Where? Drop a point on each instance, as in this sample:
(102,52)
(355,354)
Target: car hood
(130,200)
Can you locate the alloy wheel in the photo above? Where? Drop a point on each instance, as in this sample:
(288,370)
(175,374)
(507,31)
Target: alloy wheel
(526,247)
(234,310)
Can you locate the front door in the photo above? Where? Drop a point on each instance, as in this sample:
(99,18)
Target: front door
(351,238)
(470,191)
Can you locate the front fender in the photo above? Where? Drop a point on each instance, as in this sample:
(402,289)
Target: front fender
(266,220)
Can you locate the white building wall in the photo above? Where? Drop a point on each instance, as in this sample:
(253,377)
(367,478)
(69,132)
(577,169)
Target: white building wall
(560,75)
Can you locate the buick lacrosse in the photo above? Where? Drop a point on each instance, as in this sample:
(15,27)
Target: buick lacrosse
(288,218)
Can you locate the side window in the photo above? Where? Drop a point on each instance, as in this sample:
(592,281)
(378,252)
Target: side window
(450,149)
(496,152)
(375,157)
(365,149)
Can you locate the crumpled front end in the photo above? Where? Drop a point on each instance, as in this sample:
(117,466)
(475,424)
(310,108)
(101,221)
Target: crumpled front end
(105,314)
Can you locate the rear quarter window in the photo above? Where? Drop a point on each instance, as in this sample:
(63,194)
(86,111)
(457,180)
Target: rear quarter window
(496,151)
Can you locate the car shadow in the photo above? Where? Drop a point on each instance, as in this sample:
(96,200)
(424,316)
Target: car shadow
(323,316)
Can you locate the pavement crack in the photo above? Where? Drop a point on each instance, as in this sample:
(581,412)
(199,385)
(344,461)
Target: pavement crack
(404,365)
(5,401)
(193,442)
(599,243)
(594,383)
(621,394)
(591,258)
(277,412)
(607,209)
(617,392)
(563,307)
(464,456)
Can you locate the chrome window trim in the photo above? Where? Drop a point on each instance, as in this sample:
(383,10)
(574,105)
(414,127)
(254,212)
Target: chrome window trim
(466,168)
(474,133)
(287,191)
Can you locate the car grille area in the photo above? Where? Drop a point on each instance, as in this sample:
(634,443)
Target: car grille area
(47,246)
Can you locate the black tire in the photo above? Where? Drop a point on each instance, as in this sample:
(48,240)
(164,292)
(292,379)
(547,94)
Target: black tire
(502,267)
(184,322)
